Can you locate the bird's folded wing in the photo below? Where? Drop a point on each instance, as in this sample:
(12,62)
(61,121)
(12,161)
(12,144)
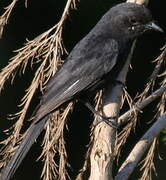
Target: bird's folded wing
(77,75)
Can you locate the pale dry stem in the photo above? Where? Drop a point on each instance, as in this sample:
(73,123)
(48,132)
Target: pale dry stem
(149,166)
(47,48)
(124,134)
(82,172)
(5,16)
(155,74)
(161,107)
(148,163)
(139,106)
(140,148)
(132,116)
(54,145)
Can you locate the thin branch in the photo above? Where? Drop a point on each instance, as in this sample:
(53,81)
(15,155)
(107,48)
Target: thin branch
(139,106)
(104,137)
(131,115)
(5,16)
(161,107)
(147,165)
(54,145)
(47,48)
(154,75)
(124,134)
(137,152)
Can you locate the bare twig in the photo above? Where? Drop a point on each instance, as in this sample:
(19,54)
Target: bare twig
(5,16)
(136,154)
(148,163)
(138,107)
(102,152)
(53,144)
(47,48)
(131,116)
(154,75)
(161,107)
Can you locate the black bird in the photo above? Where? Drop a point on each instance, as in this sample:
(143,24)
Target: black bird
(93,62)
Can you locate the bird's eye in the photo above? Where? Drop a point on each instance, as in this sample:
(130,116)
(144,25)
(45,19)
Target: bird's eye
(133,21)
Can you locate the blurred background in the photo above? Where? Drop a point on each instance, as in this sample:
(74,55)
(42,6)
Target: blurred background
(39,16)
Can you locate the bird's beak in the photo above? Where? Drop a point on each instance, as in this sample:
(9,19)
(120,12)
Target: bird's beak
(153,26)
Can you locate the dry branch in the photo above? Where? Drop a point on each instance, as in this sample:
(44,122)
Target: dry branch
(5,16)
(104,137)
(131,116)
(139,106)
(47,48)
(54,145)
(147,165)
(139,149)
(155,74)
(102,152)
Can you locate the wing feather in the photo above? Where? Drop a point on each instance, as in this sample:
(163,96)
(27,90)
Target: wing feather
(78,74)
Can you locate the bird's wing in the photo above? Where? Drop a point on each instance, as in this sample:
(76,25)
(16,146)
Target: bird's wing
(83,69)
(80,72)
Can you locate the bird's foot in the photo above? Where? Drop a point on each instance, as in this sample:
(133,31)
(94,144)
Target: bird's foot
(119,82)
(110,121)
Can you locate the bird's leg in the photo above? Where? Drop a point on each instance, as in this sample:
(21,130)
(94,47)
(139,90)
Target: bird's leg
(109,120)
(119,82)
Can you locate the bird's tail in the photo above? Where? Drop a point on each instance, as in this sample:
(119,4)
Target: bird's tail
(32,134)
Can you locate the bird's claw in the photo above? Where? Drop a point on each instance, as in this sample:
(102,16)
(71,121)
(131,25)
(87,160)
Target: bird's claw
(119,82)
(110,121)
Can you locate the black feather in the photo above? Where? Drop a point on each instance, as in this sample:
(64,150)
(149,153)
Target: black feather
(93,62)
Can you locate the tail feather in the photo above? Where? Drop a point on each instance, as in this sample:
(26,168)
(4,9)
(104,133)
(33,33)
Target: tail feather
(32,134)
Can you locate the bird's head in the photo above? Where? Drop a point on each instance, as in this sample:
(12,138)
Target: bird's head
(130,20)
